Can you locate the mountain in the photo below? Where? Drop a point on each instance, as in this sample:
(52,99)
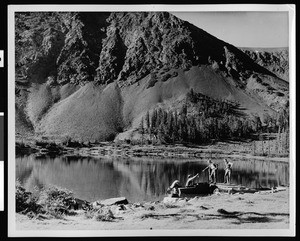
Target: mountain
(274,59)
(94,76)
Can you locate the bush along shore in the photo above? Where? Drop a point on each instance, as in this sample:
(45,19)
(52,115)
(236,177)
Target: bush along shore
(58,203)
(56,208)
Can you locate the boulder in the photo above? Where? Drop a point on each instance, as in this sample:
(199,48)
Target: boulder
(96,205)
(118,209)
(113,201)
(182,201)
(170,200)
(137,205)
(149,206)
(177,201)
(78,204)
(193,200)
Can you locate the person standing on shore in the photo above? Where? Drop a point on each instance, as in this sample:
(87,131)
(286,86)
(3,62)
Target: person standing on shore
(228,170)
(212,167)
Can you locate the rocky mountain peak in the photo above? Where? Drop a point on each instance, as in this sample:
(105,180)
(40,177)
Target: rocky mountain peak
(139,43)
(121,46)
(275,59)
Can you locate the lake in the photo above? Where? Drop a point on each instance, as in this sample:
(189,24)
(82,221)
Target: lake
(137,179)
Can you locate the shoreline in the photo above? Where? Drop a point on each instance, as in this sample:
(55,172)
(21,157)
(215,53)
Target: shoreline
(266,209)
(218,150)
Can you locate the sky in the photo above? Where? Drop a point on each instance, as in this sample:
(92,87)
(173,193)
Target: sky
(243,29)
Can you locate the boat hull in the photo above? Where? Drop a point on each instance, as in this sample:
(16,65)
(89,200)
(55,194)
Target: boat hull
(199,188)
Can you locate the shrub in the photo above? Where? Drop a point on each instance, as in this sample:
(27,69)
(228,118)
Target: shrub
(21,145)
(42,144)
(73,144)
(52,201)
(50,146)
(26,202)
(110,137)
(89,214)
(53,147)
(56,201)
(22,148)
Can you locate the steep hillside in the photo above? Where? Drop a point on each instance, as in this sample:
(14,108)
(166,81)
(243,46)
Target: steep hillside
(138,43)
(91,76)
(91,113)
(274,59)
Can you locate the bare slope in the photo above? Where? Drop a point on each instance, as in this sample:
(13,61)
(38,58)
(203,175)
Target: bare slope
(91,113)
(201,79)
(100,113)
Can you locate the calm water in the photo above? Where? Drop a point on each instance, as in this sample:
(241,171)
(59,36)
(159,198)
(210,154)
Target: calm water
(138,179)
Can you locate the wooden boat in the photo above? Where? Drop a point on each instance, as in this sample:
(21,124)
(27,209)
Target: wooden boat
(234,188)
(224,187)
(205,188)
(199,188)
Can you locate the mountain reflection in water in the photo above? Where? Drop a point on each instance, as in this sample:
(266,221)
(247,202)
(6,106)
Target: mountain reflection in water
(137,179)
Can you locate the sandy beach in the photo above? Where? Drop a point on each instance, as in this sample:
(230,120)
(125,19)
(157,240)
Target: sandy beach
(261,210)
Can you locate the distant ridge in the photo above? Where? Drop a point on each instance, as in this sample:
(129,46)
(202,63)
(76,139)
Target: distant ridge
(273,59)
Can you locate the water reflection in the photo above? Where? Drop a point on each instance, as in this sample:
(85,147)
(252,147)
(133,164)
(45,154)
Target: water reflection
(138,179)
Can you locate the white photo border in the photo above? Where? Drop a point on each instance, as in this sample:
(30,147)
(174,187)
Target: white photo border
(13,232)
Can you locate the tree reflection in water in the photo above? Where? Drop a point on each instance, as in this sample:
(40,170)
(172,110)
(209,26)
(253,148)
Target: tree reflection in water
(138,179)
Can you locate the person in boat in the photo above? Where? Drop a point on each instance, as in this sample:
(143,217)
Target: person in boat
(212,168)
(228,170)
(190,180)
(174,189)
